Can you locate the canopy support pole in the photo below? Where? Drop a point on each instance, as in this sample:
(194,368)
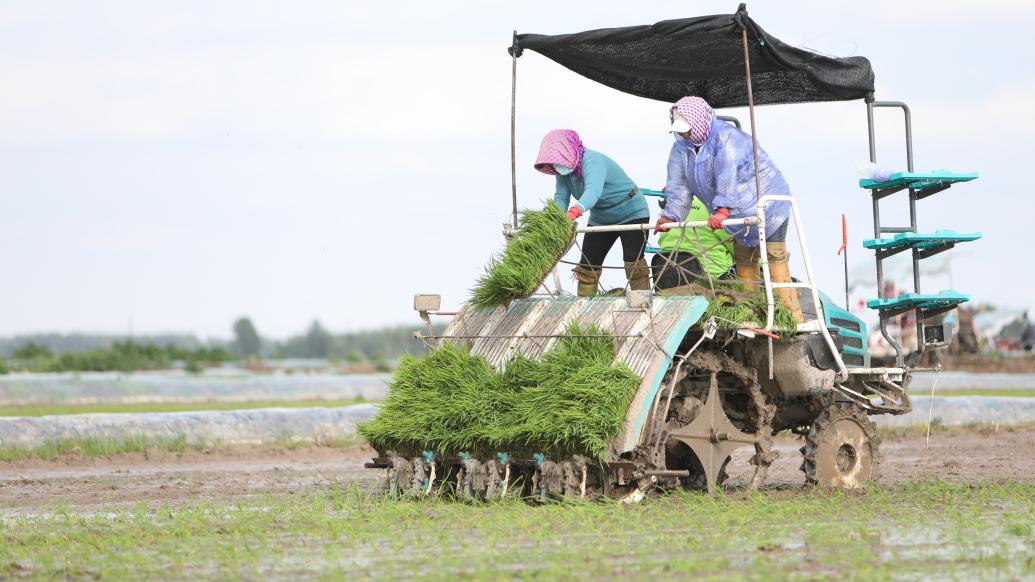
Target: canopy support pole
(513,129)
(758,182)
(751,111)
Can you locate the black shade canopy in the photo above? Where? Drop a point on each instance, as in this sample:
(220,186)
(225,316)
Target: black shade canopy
(704,56)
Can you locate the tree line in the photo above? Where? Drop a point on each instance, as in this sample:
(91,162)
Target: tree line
(124,356)
(379,348)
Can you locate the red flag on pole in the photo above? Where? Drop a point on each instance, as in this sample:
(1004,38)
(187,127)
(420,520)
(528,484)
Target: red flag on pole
(844,249)
(844,234)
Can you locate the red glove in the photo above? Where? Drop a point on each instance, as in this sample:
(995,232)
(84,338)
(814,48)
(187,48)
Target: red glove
(659,226)
(574,213)
(715,222)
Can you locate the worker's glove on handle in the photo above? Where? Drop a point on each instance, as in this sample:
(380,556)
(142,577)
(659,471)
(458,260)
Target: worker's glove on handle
(574,213)
(659,226)
(715,221)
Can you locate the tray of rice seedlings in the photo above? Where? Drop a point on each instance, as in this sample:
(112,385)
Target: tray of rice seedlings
(516,272)
(575,399)
(571,401)
(733,305)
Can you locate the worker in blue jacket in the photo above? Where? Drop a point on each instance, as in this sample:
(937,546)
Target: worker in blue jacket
(602,189)
(713,161)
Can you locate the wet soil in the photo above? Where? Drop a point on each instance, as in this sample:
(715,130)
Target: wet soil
(163,478)
(1021,363)
(955,455)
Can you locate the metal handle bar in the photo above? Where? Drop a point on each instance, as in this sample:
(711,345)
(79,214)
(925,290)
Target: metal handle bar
(770,285)
(697,224)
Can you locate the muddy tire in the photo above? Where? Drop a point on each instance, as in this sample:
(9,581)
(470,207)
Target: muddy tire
(842,449)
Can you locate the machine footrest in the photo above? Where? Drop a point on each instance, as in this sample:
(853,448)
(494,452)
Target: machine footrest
(928,302)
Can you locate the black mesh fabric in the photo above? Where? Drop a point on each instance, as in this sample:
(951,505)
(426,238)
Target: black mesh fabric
(704,56)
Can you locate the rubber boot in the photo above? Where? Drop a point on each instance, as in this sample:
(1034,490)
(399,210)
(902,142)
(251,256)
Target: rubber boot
(638,274)
(780,272)
(588,279)
(745,259)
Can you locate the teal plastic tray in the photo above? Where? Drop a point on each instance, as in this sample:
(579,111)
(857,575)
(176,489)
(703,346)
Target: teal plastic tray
(649,192)
(920,300)
(917,180)
(920,240)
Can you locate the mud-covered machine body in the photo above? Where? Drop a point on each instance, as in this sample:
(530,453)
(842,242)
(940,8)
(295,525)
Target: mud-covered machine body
(706,388)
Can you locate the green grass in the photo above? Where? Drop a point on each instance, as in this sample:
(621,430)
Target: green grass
(573,400)
(96,447)
(531,254)
(108,446)
(937,427)
(930,530)
(56,408)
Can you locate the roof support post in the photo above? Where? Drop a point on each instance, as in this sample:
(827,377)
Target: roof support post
(515,52)
(751,111)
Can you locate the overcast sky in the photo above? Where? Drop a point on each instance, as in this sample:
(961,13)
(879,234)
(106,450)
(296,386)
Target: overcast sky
(180,164)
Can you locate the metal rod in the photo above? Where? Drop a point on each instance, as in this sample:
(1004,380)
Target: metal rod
(730,119)
(907,118)
(878,230)
(844,247)
(872,135)
(751,110)
(848,305)
(681,473)
(763,202)
(697,224)
(513,130)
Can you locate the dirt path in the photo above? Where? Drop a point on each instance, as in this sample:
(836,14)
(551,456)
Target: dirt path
(175,478)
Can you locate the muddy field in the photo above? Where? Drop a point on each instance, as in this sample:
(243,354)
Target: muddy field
(158,477)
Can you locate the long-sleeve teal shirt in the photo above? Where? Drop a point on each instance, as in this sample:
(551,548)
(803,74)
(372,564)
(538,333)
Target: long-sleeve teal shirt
(603,190)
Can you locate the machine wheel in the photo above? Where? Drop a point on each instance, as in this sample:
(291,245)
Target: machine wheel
(841,449)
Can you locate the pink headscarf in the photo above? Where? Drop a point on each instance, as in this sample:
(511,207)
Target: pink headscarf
(560,146)
(698,113)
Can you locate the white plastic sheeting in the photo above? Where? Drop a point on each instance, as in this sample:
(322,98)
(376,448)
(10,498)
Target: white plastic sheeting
(921,383)
(172,386)
(961,410)
(263,425)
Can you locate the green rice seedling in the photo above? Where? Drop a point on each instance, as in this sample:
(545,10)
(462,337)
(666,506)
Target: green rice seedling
(571,401)
(732,305)
(576,400)
(543,238)
(926,529)
(433,401)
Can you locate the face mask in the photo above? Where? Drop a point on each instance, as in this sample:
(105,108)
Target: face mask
(562,170)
